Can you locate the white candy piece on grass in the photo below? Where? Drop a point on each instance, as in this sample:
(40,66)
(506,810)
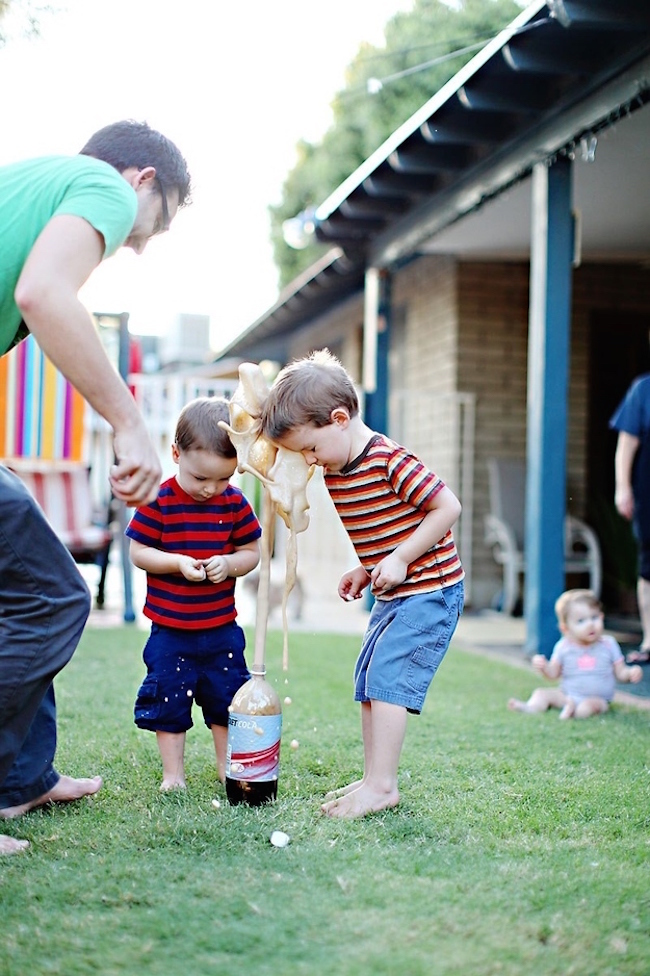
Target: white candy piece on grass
(294,744)
(279,839)
(287,700)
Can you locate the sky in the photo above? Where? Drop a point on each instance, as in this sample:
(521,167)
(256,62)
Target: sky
(234,83)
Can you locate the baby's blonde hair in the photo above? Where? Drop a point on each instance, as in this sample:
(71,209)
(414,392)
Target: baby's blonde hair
(569,598)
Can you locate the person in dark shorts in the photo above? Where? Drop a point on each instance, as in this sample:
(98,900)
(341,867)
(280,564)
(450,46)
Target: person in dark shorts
(193,541)
(632,498)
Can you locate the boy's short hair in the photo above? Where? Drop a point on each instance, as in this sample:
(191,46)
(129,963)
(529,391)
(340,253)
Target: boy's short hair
(306,392)
(130,143)
(569,598)
(198,427)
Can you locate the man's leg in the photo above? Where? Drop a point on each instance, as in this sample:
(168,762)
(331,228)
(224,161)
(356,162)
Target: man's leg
(642,533)
(642,656)
(44,605)
(32,773)
(33,780)
(643,599)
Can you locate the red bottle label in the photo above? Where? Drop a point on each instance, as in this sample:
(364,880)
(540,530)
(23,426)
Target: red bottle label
(253,747)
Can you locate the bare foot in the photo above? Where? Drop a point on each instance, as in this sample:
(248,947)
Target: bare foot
(9,845)
(515,705)
(335,794)
(172,784)
(65,791)
(569,710)
(361,802)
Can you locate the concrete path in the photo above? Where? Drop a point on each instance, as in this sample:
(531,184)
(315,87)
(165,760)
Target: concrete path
(485,632)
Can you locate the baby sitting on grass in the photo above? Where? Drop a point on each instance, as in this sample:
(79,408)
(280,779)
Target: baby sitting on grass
(588,662)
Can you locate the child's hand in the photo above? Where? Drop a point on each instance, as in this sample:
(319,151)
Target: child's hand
(390,572)
(634,674)
(353,584)
(216,568)
(191,569)
(539,663)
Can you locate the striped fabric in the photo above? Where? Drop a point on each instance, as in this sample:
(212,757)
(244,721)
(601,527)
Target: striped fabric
(62,489)
(41,414)
(380,498)
(175,522)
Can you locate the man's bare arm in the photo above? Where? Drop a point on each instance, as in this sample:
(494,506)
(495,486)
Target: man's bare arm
(626,448)
(62,258)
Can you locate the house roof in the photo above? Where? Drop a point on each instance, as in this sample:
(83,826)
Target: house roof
(552,80)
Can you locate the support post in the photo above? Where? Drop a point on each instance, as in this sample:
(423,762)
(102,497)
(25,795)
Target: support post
(547,415)
(123,356)
(376,344)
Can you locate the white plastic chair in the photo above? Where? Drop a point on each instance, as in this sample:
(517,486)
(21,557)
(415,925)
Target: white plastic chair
(504,533)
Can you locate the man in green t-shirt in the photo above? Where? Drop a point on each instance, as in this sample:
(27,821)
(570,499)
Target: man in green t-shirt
(60,217)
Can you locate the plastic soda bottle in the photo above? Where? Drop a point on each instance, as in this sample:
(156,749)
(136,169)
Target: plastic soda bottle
(254,731)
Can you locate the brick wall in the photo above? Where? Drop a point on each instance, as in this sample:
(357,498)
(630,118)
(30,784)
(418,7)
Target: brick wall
(492,363)
(463,327)
(493,329)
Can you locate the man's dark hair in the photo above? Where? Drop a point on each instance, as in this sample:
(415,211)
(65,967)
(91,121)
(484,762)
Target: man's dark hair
(129,143)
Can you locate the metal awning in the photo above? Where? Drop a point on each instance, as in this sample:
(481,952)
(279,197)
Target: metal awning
(554,77)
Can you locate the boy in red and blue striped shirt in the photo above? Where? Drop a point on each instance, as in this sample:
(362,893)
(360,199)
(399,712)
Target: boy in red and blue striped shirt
(399,516)
(193,541)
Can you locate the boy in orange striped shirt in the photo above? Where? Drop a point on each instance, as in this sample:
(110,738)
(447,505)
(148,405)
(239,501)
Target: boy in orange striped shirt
(399,516)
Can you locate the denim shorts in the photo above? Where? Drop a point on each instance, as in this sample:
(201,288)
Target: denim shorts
(187,666)
(405,641)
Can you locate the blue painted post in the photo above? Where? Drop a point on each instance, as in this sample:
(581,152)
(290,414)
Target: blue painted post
(375,411)
(376,402)
(548,381)
(127,569)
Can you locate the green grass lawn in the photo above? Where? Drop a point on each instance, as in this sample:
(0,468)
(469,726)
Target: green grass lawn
(521,845)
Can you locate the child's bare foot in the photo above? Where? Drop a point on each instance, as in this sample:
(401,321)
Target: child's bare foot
(9,845)
(361,802)
(515,705)
(172,783)
(66,790)
(569,710)
(343,790)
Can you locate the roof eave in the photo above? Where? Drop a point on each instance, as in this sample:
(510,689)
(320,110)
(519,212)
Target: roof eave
(412,124)
(509,165)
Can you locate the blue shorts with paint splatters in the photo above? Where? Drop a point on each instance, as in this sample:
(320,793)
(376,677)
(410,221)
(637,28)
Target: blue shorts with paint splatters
(187,666)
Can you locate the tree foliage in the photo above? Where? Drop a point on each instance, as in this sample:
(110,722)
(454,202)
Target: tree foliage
(362,121)
(24,20)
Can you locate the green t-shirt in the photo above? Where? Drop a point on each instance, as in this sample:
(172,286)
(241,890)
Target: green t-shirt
(34,191)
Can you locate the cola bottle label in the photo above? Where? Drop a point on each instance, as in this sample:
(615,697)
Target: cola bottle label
(253,747)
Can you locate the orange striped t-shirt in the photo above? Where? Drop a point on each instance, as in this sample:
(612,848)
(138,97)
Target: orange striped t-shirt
(379,498)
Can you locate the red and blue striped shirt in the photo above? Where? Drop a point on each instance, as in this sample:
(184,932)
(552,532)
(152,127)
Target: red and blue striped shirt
(380,498)
(178,523)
